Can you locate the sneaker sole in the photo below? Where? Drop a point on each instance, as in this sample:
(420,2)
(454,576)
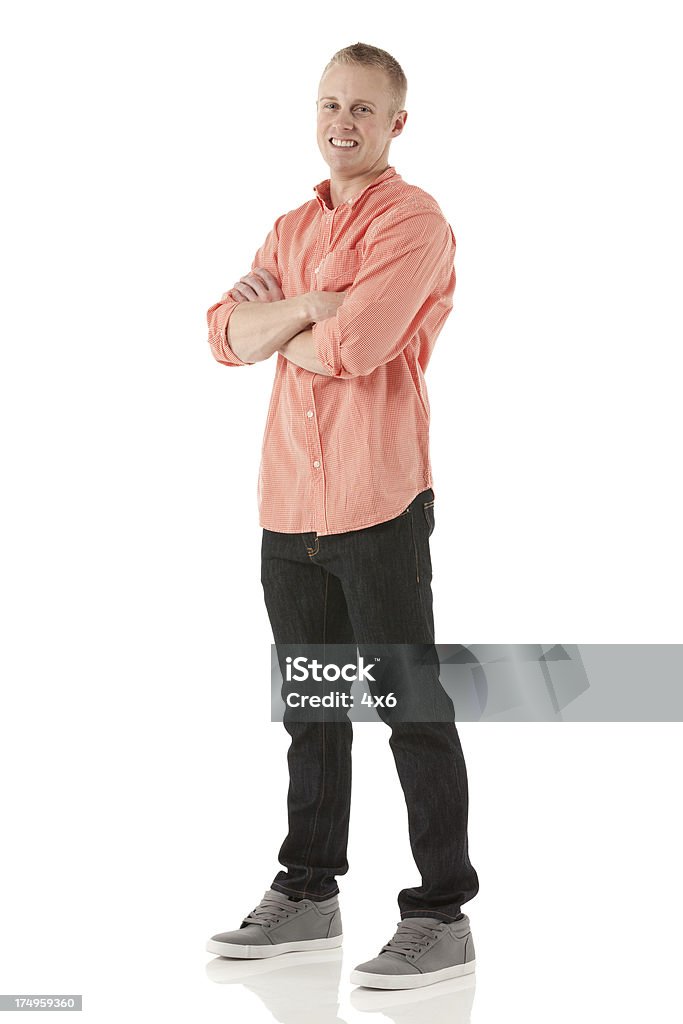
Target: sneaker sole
(394,981)
(259,952)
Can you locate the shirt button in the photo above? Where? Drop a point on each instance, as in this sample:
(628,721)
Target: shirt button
(316,463)
(309,413)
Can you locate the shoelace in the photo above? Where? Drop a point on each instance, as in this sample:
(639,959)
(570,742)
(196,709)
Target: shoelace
(411,937)
(270,910)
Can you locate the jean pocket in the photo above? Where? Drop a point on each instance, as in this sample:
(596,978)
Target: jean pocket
(428,509)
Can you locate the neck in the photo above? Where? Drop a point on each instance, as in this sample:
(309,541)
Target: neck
(342,189)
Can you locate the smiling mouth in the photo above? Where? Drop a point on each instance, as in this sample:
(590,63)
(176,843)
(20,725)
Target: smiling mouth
(343,143)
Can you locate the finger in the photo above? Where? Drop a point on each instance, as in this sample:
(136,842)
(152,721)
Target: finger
(239,295)
(270,282)
(253,281)
(250,287)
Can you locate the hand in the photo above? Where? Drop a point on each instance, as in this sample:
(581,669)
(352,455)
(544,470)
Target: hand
(258,285)
(323,305)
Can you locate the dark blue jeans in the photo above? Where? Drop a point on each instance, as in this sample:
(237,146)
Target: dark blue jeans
(369,586)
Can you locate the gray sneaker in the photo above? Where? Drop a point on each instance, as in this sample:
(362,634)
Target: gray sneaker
(281,925)
(422,952)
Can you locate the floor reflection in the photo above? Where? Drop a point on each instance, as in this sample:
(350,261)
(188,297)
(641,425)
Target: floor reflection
(303,988)
(447,1002)
(296,988)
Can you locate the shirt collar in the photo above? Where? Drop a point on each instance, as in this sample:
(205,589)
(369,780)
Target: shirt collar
(322,189)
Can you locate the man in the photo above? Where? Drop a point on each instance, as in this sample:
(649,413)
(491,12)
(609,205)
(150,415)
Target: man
(350,290)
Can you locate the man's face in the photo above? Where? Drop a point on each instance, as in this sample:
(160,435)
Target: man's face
(353,104)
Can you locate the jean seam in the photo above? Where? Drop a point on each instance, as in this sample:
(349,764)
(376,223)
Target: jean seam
(417,565)
(309,870)
(304,892)
(327,580)
(314,551)
(417,560)
(430,525)
(429,913)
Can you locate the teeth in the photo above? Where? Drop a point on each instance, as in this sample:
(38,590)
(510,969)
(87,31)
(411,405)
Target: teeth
(341,142)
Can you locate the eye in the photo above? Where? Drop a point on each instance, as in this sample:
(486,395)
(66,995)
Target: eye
(357,108)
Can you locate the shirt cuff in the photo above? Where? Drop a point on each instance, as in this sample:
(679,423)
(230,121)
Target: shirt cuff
(327,342)
(218,317)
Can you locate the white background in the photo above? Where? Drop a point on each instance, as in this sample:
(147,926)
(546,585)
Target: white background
(148,149)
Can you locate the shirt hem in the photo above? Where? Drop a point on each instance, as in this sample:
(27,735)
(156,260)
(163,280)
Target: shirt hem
(351,529)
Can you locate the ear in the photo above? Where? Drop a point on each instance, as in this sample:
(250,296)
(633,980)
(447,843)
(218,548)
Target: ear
(398,122)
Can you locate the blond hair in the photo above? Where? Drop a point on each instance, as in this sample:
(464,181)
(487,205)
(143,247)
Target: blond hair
(371,56)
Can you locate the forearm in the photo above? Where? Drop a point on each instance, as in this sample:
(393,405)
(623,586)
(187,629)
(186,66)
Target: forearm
(258,329)
(301,350)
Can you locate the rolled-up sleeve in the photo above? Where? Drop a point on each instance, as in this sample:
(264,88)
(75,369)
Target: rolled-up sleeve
(218,315)
(407,267)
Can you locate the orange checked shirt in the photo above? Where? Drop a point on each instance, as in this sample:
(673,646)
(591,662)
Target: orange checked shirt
(349,450)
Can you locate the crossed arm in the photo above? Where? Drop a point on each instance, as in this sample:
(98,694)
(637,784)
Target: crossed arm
(265,322)
(406,278)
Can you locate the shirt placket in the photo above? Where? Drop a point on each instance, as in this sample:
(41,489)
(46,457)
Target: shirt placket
(313,441)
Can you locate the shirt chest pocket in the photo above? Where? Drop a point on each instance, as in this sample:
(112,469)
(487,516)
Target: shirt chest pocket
(338,270)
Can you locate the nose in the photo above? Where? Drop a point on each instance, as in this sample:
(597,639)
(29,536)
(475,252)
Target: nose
(342,126)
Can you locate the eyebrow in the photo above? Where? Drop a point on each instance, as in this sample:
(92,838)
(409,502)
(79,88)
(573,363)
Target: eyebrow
(369,102)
